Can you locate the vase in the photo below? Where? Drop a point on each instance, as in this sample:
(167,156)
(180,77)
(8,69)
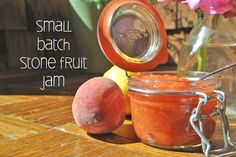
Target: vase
(84,18)
(210,45)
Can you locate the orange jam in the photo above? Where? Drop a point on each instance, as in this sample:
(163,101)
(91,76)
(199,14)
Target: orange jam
(161,106)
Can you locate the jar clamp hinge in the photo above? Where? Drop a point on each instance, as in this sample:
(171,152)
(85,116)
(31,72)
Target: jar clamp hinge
(220,112)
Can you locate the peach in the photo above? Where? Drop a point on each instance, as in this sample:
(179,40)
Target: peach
(99,106)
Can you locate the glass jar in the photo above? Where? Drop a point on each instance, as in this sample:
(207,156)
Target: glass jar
(162,104)
(210,45)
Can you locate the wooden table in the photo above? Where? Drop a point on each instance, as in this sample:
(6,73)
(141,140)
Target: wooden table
(43,126)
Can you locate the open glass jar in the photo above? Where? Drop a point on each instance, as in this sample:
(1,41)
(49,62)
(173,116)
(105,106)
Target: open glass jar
(173,110)
(162,104)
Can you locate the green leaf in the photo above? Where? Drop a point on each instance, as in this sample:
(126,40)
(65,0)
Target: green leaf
(99,3)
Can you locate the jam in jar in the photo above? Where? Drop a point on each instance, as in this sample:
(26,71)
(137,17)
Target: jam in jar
(162,103)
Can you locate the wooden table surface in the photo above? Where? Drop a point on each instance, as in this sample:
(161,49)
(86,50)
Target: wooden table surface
(43,126)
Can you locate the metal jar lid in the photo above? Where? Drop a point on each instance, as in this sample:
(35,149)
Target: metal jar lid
(132,35)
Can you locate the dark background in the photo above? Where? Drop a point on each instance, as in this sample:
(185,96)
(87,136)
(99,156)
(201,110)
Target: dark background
(18,38)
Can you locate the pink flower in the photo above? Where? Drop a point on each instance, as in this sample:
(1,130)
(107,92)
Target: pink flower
(226,7)
(231,12)
(168,1)
(165,1)
(211,6)
(194,4)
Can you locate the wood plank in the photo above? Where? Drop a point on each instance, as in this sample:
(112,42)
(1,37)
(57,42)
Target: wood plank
(3,139)
(49,110)
(176,15)
(13,99)
(13,15)
(175,43)
(67,139)
(168,13)
(115,137)
(57,143)
(186,16)
(125,136)
(20,106)
(12,128)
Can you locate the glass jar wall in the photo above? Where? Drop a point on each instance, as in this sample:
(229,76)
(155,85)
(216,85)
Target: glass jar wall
(161,106)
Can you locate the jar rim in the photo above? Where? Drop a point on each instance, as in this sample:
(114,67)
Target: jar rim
(138,83)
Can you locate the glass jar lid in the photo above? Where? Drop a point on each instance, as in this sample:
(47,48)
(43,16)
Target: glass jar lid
(132,35)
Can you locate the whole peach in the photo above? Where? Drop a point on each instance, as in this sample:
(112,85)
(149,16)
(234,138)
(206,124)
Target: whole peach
(99,106)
